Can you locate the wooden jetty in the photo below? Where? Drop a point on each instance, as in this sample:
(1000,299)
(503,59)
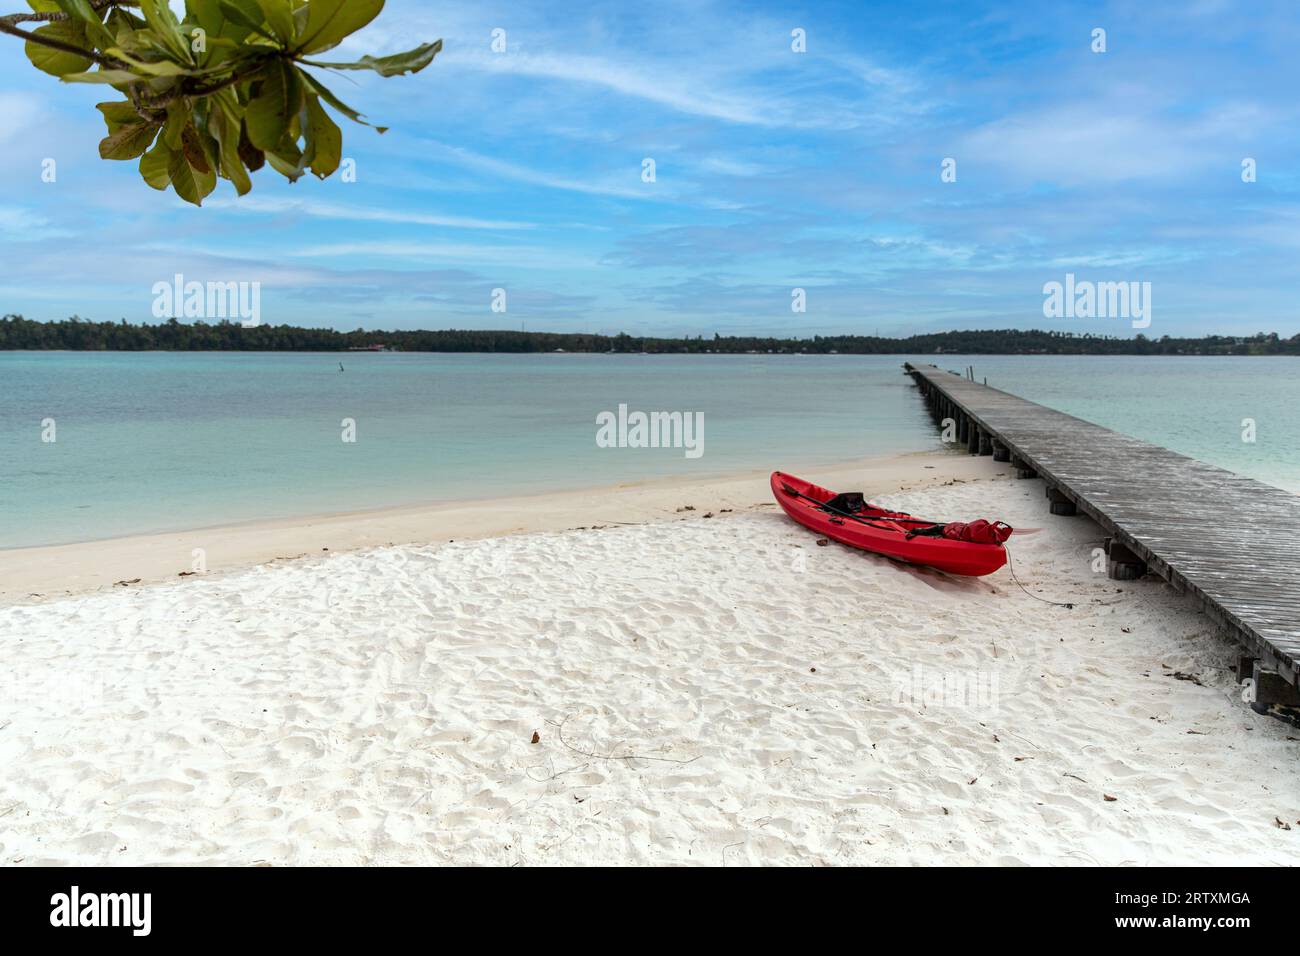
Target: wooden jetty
(1230,542)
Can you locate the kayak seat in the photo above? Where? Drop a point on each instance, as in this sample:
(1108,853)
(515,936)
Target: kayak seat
(850,501)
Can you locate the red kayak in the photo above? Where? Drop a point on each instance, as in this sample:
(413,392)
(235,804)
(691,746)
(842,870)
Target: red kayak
(849,520)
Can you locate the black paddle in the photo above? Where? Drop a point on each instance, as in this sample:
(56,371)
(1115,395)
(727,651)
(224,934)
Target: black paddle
(825,507)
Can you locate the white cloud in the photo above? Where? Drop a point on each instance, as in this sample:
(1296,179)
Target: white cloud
(18,113)
(731,167)
(534,256)
(1106,141)
(275,205)
(22,223)
(540,177)
(664,84)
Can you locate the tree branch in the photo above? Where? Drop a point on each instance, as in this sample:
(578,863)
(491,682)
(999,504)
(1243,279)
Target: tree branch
(55,17)
(7,25)
(192,87)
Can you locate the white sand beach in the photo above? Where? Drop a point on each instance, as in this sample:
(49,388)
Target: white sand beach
(680,689)
(28,574)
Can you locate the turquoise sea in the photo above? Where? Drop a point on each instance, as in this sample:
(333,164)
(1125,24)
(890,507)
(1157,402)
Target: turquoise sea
(163,441)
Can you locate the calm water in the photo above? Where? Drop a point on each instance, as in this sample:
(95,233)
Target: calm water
(159,441)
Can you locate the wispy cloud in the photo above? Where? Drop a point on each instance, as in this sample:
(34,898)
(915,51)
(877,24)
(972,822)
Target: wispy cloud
(1109,141)
(661,85)
(18,113)
(529,256)
(283,205)
(22,224)
(607,185)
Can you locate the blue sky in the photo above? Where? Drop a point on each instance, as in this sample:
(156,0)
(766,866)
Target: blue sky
(774,170)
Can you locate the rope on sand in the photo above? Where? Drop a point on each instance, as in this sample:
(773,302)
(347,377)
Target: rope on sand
(1011,568)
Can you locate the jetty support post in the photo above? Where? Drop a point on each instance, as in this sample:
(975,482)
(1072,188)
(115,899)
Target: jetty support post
(1272,688)
(1246,667)
(986,443)
(1060,504)
(1121,563)
(973,439)
(1023,469)
(1001,452)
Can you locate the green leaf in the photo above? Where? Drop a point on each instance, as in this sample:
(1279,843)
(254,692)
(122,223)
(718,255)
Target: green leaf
(245,13)
(178,117)
(324,140)
(319,88)
(330,21)
(161,84)
(149,67)
(128,142)
(213,19)
(119,113)
(56,62)
(279,17)
(140,42)
(287,160)
(226,129)
(253,157)
(153,165)
(193,150)
(82,12)
(189,183)
(412,61)
(273,108)
(167,28)
(112,77)
(224,35)
(120,20)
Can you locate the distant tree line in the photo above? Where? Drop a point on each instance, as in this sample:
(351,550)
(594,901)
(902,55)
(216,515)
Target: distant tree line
(80,335)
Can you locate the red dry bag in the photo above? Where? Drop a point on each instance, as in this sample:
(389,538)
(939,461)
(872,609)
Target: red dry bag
(978,532)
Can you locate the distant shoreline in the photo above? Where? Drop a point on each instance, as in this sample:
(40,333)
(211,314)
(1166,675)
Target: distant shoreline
(937,355)
(76,335)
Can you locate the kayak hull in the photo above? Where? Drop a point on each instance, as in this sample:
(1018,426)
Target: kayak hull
(886,535)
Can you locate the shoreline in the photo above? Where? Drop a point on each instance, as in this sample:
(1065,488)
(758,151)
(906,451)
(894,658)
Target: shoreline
(51,572)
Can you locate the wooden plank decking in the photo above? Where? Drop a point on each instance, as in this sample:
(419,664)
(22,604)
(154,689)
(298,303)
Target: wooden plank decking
(1231,542)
